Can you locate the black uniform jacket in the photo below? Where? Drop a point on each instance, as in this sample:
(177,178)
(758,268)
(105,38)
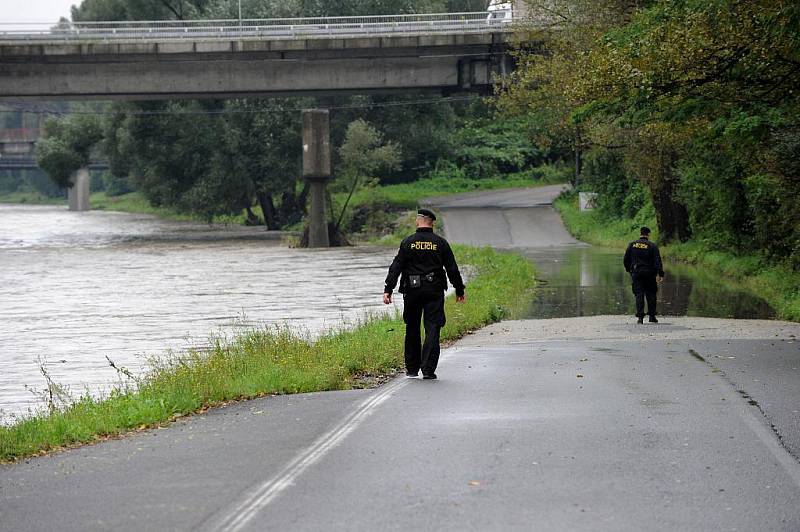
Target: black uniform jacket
(643,257)
(420,254)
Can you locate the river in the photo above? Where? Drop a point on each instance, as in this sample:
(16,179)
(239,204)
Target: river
(77,287)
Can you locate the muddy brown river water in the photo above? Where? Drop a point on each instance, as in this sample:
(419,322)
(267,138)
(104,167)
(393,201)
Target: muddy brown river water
(75,287)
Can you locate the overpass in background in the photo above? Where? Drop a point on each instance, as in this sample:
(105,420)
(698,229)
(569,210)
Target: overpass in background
(313,56)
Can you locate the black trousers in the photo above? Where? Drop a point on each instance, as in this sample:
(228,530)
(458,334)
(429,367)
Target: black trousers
(427,305)
(644,286)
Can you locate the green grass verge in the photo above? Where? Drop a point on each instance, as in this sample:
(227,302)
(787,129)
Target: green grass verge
(778,284)
(135,203)
(407,195)
(31,198)
(269,361)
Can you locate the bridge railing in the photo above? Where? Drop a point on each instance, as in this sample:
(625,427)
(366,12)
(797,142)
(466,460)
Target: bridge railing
(287,28)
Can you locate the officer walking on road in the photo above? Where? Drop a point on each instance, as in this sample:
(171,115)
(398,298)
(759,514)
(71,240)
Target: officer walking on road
(423,259)
(643,261)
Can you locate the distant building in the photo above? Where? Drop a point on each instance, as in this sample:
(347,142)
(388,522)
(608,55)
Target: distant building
(18,142)
(516,8)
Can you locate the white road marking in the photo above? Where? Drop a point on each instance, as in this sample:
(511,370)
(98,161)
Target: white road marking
(261,495)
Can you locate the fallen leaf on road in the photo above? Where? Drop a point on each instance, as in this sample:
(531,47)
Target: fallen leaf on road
(580,375)
(584,359)
(474,483)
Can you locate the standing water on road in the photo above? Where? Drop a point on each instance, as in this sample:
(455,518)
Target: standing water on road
(75,287)
(577,279)
(590,281)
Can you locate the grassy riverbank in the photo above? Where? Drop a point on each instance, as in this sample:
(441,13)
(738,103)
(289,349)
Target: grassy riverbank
(407,195)
(30,198)
(269,361)
(395,197)
(778,284)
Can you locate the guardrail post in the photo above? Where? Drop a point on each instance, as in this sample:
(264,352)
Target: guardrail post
(317,171)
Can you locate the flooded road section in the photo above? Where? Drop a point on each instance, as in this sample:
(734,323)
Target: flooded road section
(75,287)
(590,281)
(577,279)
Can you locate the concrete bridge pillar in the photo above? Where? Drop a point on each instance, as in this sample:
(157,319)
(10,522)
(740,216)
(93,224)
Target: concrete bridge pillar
(78,193)
(520,9)
(317,171)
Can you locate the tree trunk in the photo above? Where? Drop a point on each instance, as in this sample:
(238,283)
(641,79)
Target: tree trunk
(252,219)
(293,207)
(578,158)
(268,207)
(671,215)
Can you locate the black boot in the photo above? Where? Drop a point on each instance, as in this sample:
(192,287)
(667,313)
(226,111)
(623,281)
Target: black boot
(653,319)
(640,320)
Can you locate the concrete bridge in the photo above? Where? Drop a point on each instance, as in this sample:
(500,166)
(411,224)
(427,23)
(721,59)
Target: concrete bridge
(445,53)
(114,60)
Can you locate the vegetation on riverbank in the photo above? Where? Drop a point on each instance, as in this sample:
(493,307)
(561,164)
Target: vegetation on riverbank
(375,208)
(30,198)
(777,283)
(269,361)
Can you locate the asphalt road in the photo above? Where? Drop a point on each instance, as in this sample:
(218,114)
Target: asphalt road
(570,424)
(509,218)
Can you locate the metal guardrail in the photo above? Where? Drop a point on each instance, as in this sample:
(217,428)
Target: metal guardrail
(287,28)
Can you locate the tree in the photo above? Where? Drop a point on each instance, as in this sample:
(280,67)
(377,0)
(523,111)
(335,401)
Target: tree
(696,99)
(110,10)
(262,144)
(67,146)
(168,149)
(551,86)
(363,153)
(715,83)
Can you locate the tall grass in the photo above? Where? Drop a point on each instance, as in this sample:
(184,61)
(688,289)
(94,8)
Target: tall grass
(269,361)
(776,283)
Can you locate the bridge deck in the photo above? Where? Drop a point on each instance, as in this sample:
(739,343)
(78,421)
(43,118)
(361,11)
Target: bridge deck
(452,52)
(258,29)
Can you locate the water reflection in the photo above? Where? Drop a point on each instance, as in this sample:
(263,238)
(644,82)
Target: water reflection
(586,281)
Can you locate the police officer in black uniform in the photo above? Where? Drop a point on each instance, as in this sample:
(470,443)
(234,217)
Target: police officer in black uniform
(423,259)
(643,261)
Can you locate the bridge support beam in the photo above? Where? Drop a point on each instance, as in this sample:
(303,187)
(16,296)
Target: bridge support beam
(78,193)
(317,171)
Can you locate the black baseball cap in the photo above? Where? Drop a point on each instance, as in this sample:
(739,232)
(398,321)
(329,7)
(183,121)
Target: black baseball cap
(426,213)
(644,231)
